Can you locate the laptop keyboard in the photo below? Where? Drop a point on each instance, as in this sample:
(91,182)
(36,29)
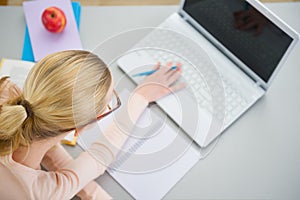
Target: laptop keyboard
(213,91)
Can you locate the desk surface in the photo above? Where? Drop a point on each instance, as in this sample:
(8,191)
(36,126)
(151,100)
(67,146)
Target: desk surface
(258,157)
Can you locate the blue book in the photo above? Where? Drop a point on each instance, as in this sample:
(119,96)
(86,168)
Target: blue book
(27,53)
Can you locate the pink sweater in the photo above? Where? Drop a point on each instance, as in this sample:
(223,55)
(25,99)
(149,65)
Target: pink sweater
(67,177)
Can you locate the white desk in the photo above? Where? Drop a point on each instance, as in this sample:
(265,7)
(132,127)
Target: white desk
(257,158)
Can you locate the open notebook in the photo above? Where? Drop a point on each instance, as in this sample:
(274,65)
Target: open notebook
(132,169)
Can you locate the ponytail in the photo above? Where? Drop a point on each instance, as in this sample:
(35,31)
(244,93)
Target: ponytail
(11,120)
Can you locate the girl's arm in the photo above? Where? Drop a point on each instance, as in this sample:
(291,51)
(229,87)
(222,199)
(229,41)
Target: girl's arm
(57,157)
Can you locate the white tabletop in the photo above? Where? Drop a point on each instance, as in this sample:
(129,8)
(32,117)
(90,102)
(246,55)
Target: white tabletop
(258,157)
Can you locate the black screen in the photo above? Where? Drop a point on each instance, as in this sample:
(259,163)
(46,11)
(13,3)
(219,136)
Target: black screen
(244,31)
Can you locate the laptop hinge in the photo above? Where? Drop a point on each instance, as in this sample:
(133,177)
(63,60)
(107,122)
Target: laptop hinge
(258,84)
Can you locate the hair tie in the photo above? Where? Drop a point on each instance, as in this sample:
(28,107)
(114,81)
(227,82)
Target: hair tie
(27,107)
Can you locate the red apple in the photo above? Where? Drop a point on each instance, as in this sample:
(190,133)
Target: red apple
(54,19)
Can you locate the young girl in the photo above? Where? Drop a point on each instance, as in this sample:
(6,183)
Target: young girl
(64,92)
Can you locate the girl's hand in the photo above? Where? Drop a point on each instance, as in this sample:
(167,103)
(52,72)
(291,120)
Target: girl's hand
(161,83)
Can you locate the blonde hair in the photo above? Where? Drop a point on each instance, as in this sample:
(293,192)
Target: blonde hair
(63,91)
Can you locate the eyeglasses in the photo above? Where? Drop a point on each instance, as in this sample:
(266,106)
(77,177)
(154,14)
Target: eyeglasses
(116,104)
(111,109)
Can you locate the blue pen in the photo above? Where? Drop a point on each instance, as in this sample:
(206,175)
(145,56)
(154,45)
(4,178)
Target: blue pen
(150,72)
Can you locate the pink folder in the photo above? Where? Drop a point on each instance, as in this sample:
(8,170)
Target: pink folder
(44,42)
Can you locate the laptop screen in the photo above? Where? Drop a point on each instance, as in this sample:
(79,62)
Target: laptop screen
(244,31)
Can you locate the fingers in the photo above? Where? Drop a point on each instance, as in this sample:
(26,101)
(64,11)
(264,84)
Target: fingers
(157,66)
(169,68)
(166,75)
(165,69)
(178,68)
(173,78)
(162,82)
(178,64)
(174,75)
(175,72)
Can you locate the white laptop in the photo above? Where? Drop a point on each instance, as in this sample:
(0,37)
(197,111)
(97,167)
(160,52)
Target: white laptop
(230,50)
